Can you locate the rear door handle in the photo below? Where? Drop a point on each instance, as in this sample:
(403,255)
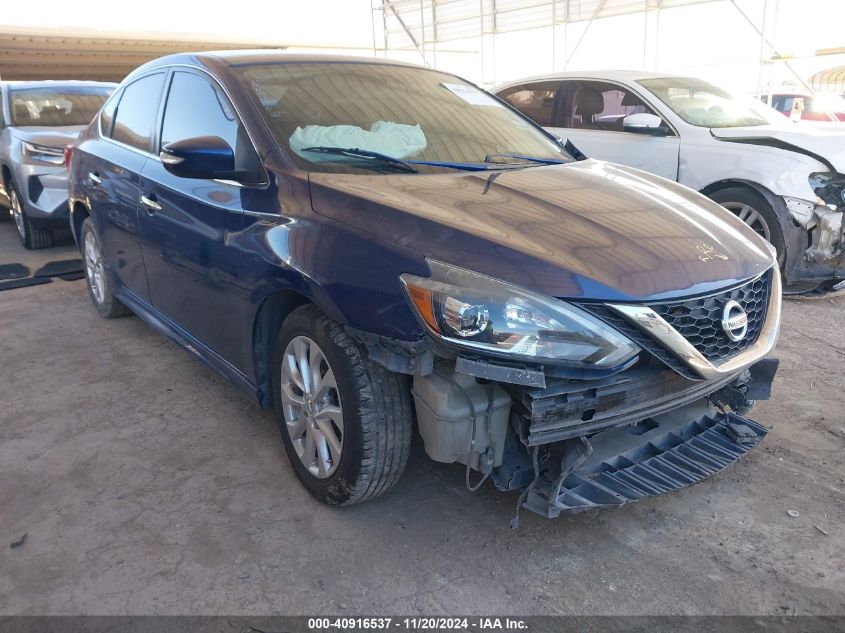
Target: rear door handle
(93,177)
(150,203)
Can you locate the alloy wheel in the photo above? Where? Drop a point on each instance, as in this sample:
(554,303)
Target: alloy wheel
(17,213)
(751,217)
(312,407)
(94,268)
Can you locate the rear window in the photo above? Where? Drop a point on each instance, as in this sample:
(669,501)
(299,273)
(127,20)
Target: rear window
(137,112)
(56,107)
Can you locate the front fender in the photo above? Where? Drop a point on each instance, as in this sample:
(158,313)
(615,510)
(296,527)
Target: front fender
(779,171)
(349,278)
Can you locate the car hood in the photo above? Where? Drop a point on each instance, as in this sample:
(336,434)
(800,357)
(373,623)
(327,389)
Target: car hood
(588,229)
(53,136)
(826,144)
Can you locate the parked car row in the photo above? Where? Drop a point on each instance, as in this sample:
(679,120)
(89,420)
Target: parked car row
(371,247)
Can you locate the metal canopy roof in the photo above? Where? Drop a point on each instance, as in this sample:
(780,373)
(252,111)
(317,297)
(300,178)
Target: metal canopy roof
(39,53)
(413,23)
(27,53)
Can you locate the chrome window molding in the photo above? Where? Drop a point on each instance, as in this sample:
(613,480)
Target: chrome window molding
(655,326)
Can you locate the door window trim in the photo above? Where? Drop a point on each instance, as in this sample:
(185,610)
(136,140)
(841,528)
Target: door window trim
(119,94)
(205,74)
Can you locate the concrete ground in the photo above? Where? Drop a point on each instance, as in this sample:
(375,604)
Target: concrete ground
(145,484)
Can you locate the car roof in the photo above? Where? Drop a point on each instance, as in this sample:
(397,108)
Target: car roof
(236,57)
(262,56)
(611,75)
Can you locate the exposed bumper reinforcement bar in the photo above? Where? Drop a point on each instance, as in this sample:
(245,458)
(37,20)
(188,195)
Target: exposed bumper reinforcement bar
(668,454)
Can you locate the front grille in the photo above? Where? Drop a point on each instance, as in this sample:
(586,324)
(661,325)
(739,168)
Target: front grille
(700,320)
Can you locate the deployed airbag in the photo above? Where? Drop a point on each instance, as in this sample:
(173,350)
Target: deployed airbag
(394,139)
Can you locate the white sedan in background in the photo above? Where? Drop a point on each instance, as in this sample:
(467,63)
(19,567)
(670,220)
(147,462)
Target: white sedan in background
(785,180)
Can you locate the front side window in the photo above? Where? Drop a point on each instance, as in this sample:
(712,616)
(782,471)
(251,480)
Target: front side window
(417,115)
(56,107)
(137,112)
(704,105)
(598,105)
(194,108)
(535,100)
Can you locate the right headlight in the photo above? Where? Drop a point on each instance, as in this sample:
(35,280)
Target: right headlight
(474,311)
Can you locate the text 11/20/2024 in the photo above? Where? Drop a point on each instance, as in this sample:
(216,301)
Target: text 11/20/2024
(417,624)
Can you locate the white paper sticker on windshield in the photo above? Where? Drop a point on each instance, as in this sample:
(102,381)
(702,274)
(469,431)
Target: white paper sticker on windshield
(472,95)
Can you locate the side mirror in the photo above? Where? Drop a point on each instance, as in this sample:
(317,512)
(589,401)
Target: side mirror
(645,123)
(205,157)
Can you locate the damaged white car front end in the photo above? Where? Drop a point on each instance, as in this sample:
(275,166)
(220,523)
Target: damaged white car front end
(811,190)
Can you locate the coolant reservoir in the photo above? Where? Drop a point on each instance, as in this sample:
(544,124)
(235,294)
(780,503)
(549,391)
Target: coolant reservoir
(445,403)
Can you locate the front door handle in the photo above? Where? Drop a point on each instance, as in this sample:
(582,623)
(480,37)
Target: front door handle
(150,203)
(94,177)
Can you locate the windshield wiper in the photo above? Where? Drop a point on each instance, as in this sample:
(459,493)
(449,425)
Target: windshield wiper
(490,158)
(405,165)
(354,152)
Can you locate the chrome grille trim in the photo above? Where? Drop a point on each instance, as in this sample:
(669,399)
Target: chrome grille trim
(658,328)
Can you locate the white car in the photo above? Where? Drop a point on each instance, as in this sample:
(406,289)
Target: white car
(785,180)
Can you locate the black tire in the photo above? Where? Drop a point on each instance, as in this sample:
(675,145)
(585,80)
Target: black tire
(32,237)
(376,410)
(5,211)
(738,196)
(109,307)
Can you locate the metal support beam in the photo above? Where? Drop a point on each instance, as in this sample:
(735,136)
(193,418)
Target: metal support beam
(765,40)
(762,48)
(596,12)
(421,51)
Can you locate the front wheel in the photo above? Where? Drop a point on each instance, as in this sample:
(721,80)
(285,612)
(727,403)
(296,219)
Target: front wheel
(753,209)
(345,421)
(31,236)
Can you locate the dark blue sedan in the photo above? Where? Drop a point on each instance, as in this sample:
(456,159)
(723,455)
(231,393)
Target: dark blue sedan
(374,248)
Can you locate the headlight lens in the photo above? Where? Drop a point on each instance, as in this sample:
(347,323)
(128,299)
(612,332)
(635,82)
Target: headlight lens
(44,153)
(472,310)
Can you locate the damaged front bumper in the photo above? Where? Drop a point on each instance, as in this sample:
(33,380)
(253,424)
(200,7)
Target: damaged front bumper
(576,445)
(671,452)
(816,231)
(669,419)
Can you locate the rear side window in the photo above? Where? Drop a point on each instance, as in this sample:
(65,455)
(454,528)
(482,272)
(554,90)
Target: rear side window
(137,111)
(196,107)
(535,100)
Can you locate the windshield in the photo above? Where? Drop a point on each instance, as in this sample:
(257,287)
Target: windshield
(56,107)
(416,115)
(702,104)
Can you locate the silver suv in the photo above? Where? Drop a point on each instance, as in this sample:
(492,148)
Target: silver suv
(37,120)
